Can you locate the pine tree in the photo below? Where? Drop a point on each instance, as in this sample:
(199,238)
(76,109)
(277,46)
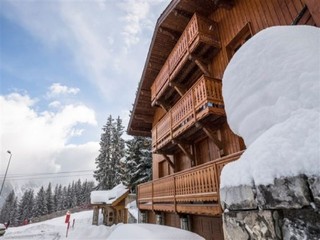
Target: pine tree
(118,150)
(9,210)
(111,151)
(25,206)
(138,161)
(40,206)
(103,161)
(49,200)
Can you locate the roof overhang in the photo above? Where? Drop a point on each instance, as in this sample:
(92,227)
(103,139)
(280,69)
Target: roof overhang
(168,29)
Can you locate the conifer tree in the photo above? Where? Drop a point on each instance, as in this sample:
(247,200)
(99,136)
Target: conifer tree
(40,206)
(9,210)
(111,151)
(138,161)
(49,200)
(25,206)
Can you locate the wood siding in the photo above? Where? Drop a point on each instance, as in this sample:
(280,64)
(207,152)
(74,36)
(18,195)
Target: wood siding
(260,15)
(208,227)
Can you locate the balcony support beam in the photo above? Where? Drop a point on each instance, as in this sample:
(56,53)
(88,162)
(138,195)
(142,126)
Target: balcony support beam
(203,67)
(228,4)
(178,87)
(211,135)
(169,32)
(182,13)
(146,119)
(163,105)
(185,151)
(169,161)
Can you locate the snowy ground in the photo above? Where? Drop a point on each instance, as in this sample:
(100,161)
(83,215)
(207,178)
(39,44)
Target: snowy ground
(55,229)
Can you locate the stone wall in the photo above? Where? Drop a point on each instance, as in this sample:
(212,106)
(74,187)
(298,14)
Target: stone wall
(287,209)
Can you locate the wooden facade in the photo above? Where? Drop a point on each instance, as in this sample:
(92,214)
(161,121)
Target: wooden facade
(180,105)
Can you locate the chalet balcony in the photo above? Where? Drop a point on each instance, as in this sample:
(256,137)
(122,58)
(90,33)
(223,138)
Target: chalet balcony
(194,191)
(199,38)
(204,98)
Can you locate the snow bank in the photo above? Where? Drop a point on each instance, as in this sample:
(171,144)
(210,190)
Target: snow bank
(108,196)
(151,232)
(84,230)
(271,90)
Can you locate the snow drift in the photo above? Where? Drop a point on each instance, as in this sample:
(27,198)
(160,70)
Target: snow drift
(271,90)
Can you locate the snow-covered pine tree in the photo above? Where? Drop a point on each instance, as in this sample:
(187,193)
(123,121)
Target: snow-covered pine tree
(138,161)
(58,197)
(9,210)
(50,200)
(103,161)
(40,206)
(111,151)
(118,150)
(25,206)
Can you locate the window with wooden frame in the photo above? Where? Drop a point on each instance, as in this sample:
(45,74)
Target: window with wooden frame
(241,37)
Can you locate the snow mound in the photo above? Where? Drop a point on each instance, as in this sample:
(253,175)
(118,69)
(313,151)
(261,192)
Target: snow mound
(271,90)
(108,196)
(151,232)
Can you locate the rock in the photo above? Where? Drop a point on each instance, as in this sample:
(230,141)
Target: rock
(238,198)
(300,224)
(249,225)
(314,185)
(285,193)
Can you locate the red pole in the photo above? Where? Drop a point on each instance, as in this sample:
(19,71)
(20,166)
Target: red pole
(67,229)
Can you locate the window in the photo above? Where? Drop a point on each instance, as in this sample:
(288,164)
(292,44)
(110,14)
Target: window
(241,37)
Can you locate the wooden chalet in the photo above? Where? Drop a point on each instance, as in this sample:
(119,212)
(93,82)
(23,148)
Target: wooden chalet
(179,103)
(112,204)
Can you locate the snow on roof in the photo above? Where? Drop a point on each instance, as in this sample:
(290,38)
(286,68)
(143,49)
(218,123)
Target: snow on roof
(271,90)
(108,196)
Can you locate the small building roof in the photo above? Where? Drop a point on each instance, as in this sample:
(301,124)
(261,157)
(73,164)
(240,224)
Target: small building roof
(109,196)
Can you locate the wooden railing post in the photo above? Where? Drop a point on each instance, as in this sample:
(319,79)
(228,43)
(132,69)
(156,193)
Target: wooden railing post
(152,194)
(174,194)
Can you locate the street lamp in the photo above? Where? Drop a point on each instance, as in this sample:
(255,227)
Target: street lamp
(5,175)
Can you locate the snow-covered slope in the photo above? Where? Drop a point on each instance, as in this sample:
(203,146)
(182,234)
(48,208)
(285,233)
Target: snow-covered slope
(55,229)
(271,90)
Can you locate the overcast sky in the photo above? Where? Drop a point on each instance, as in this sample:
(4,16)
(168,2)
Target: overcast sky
(64,67)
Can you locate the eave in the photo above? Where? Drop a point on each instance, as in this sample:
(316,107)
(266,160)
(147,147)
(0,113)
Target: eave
(168,29)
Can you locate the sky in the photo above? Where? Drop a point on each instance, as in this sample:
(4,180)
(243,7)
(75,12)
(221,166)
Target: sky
(65,66)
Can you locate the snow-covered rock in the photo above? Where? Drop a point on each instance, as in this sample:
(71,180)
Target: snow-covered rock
(271,92)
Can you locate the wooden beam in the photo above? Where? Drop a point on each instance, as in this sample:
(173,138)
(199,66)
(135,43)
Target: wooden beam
(163,105)
(203,67)
(185,151)
(171,33)
(169,161)
(182,13)
(144,118)
(314,8)
(179,88)
(228,4)
(211,135)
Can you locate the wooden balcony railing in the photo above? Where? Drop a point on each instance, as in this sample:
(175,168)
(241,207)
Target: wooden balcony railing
(199,30)
(199,184)
(203,98)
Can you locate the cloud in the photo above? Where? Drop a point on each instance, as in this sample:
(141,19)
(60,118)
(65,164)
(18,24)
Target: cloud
(58,88)
(108,40)
(40,141)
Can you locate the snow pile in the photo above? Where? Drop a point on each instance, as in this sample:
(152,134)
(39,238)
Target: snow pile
(83,230)
(271,90)
(108,196)
(151,232)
